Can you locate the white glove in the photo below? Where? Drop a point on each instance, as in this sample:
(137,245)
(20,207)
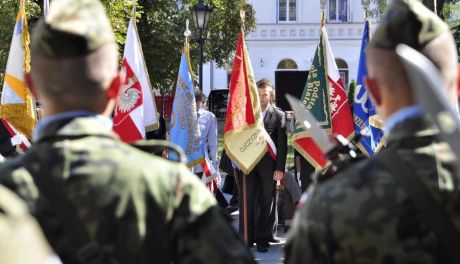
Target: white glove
(16,140)
(218,179)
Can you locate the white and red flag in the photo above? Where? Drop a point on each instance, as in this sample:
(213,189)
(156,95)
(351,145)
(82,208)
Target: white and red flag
(17,103)
(325,97)
(135,112)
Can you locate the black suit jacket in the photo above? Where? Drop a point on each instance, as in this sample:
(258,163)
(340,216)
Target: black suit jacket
(275,125)
(6,148)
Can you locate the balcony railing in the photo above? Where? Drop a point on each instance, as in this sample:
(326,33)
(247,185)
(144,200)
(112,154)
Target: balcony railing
(336,31)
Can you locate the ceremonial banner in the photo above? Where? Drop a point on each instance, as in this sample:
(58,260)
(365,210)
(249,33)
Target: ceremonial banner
(17,104)
(367,123)
(325,97)
(185,131)
(135,112)
(245,138)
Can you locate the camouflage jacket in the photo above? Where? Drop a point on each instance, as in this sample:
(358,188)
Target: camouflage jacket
(138,207)
(19,233)
(361,215)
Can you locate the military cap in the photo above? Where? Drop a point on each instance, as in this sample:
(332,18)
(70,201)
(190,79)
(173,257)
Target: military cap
(72,28)
(407,22)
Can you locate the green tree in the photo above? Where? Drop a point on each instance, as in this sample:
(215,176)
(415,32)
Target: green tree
(444,9)
(351,94)
(440,5)
(161,31)
(161,24)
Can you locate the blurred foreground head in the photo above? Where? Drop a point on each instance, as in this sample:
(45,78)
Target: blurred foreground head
(408,22)
(74,58)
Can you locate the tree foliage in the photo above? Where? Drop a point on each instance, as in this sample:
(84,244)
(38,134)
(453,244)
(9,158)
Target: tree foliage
(162,29)
(161,24)
(381,5)
(351,94)
(444,9)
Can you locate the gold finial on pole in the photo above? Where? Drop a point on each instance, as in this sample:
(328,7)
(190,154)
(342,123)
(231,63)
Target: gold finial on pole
(323,12)
(366,4)
(243,18)
(187,32)
(134,10)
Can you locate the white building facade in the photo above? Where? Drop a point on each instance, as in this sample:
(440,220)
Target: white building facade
(287,34)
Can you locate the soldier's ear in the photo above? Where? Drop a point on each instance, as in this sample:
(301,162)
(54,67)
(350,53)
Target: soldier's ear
(30,85)
(373,89)
(115,85)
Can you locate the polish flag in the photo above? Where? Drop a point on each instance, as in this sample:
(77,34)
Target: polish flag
(325,97)
(135,112)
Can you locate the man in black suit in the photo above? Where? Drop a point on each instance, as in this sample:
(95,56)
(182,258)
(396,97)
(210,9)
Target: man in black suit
(261,181)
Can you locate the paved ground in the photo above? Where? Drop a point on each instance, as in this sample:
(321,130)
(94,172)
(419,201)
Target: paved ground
(275,252)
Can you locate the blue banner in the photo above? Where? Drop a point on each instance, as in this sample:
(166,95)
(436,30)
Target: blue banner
(184,125)
(367,123)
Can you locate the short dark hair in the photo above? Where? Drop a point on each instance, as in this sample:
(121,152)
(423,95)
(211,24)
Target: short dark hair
(198,95)
(262,83)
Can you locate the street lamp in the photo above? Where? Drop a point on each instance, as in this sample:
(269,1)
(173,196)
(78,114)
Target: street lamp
(201,13)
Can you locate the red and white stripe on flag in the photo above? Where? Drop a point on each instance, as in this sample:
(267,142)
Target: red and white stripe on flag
(210,176)
(135,112)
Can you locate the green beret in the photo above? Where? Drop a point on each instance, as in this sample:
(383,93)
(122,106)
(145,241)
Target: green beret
(72,28)
(408,22)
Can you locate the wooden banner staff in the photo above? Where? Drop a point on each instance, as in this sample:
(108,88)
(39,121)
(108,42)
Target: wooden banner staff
(245,199)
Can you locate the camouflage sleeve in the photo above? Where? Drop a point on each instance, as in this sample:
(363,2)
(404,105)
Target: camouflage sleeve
(19,232)
(19,180)
(203,234)
(211,239)
(308,239)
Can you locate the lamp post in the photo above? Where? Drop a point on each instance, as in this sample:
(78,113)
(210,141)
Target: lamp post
(201,13)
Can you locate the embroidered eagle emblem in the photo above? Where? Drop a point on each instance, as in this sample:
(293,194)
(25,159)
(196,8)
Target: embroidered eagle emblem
(128,95)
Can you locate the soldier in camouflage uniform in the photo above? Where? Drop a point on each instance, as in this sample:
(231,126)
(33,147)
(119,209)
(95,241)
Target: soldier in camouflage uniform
(362,214)
(19,233)
(97,199)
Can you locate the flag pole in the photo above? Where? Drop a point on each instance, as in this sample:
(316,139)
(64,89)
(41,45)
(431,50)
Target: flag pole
(46,7)
(323,12)
(133,15)
(245,209)
(245,199)
(365,5)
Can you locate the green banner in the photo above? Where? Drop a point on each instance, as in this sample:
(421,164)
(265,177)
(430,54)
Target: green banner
(315,94)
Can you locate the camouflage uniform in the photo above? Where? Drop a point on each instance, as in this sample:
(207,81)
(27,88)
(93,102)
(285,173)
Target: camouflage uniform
(19,233)
(139,208)
(131,206)
(361,214)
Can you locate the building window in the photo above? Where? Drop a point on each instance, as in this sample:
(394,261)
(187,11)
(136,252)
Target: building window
(343,71)
(287,10)
(338,11)
(287,64)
